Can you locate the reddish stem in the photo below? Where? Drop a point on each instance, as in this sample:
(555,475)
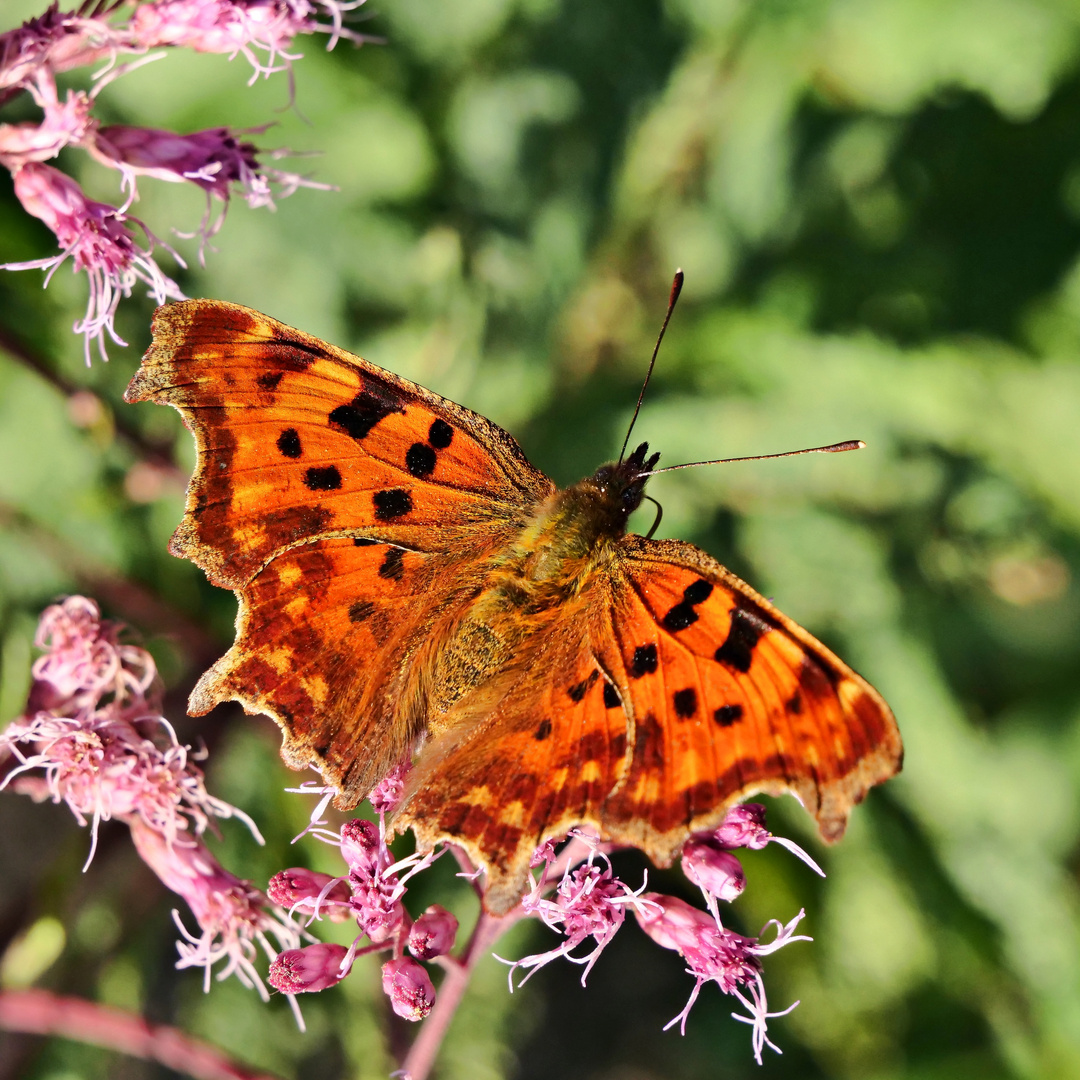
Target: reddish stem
(422,1053)
(488,929)
(38,1012)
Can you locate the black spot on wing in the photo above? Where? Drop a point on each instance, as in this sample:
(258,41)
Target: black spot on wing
(288,443)
(680,617)
(440,435)
(360,610)
(323,478)
(727,715)
(543,730)
(794,704)
(363,541)
(611,697)
(697,592)
(292,354)
(420,460)
(683,614)
(392,503)
(268,380)
(579,690)
(362,413)
(392,567)
(743,635)
(644,660)
(685,702)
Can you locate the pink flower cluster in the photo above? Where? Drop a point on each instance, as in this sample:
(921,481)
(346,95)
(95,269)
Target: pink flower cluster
(576,894)
(93,738)
(371,893)
(113,247)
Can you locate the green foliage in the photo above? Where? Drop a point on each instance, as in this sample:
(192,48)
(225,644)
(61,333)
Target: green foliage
(877,205)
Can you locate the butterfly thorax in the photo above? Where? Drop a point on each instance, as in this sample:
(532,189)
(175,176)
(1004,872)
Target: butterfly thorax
(573,533)
(564,548)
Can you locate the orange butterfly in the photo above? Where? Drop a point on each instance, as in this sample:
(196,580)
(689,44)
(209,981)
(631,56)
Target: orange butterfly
(410,585)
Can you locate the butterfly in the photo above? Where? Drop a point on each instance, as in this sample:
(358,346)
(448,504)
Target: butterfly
(410,585)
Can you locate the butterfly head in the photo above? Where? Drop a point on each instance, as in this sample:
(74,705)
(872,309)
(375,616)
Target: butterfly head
(622,483)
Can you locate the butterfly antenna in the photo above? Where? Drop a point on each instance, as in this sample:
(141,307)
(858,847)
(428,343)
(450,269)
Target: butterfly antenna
(676,288)
(832,448)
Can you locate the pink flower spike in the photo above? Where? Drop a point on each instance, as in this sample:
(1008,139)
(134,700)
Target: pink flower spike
(409,988)
(433,933)
(239,26)
(96,236)
(307,970)
(744,826)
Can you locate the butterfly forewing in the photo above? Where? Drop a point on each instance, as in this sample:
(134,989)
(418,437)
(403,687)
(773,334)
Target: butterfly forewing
(728,697)
(298,439)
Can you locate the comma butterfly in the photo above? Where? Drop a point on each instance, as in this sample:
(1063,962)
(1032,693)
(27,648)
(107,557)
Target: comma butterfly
(410,585)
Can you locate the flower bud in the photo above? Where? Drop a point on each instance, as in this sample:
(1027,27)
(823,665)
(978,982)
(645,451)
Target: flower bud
(409,988)
(744,826)
(673,923)
(315,967)
(433,933)
(300,888)
(713,869)
(360,846)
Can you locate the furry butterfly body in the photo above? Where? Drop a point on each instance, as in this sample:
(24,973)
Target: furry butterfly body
(410,585)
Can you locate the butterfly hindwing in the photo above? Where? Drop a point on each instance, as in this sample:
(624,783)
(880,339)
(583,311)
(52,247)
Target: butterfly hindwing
(669,691)
(322,648)
(299,439)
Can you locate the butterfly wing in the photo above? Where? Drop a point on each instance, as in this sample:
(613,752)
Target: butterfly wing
(326,493)
(298,439)
(730,697)
(672,692)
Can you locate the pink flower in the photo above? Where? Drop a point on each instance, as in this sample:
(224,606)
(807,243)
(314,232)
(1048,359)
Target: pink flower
(233,916)
(92,732)
(714,954)
(388,792)
(589,902)
(97,238)
(85,661)
(433,933)
(713,869)
(312,968)
(361,846)
(215,160)
(55,41)
(65,123)
(409,988)
(239,26)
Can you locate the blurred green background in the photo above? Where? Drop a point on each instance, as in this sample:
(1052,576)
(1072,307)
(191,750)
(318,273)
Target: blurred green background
(877,206)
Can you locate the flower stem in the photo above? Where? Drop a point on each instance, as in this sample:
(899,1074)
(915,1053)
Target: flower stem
(421,1056)
(41,1013)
